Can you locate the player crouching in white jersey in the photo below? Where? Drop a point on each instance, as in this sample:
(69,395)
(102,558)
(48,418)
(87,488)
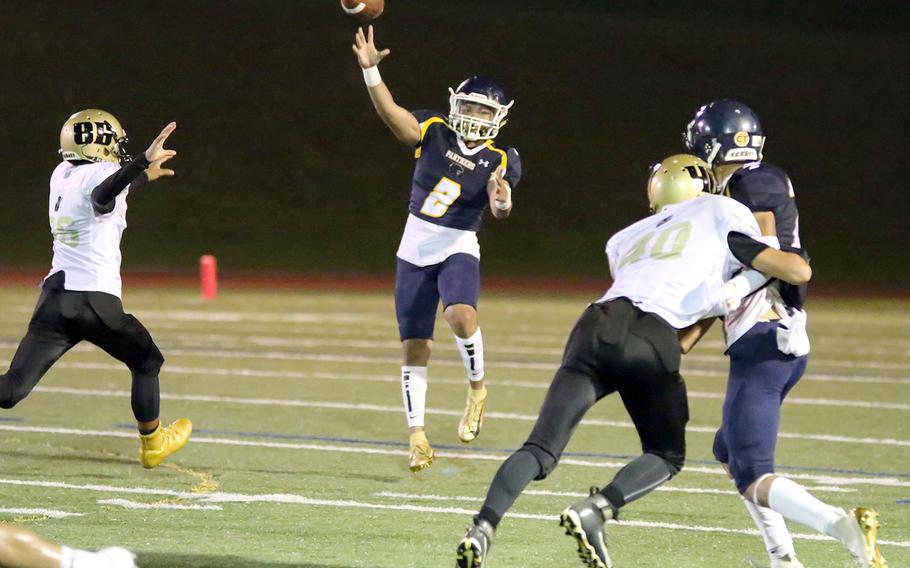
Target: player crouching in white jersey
(80,299)
(668,273)
(459,174)
(22,548)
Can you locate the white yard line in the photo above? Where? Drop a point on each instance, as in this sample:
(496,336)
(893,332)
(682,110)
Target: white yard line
(450,362)
(817,401)
(248,372)
(50,513)
(295,316)
(830,480)
(293,499)
(334,405)
(540,493)
(127,504)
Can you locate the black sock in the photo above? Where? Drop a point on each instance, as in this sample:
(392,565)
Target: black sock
(147,432)
(513,476)
(145,398)
(638,478)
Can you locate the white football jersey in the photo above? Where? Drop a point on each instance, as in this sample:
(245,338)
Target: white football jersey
(674,263)
(86,244)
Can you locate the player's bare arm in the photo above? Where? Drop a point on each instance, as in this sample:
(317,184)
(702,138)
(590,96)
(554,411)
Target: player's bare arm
(399,120)
(500,194)
(787,266)
(691,335)
(766,223)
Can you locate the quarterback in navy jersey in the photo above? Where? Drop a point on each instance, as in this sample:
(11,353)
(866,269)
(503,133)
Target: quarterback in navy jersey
(768,346)
(460,173)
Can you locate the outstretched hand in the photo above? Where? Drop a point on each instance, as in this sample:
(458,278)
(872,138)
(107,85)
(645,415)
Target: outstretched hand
(365,49)
(155,171)
(156,152)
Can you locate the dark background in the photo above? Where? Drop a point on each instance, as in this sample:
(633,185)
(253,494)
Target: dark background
(284,167)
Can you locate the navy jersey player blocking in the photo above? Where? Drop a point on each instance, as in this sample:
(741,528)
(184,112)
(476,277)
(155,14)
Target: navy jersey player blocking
(459,174)
(768,347)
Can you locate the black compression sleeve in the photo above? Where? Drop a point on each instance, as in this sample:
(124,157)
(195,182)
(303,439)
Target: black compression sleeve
(106,192)
(744,247)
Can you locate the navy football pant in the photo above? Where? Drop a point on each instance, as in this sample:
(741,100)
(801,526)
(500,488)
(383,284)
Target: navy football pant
(760,378)
(62,319)
(418,289)
(614,347)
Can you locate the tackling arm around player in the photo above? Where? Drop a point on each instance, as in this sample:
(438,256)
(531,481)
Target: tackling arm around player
(458,175)
(668,270)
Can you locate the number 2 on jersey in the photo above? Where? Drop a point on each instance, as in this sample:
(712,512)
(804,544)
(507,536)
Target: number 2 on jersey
(680,233)
(441,198)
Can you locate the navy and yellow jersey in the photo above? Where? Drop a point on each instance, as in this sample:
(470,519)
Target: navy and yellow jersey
(765,187)
(450,179)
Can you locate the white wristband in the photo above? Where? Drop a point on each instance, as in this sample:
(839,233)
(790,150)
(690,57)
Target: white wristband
(504,205)
(371,76)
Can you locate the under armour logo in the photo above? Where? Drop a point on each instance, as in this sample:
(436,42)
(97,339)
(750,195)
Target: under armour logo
(483,162)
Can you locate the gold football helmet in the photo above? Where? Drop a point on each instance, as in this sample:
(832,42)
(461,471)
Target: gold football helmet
(679,178)
(93,135)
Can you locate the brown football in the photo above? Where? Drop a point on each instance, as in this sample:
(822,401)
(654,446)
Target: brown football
(363,9)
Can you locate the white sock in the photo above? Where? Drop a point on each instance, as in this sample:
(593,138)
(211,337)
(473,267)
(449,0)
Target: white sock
(773,529)
(414,394)
(471,349)
(796,504)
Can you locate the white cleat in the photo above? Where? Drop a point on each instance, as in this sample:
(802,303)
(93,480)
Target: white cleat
(786,562)
(846,529)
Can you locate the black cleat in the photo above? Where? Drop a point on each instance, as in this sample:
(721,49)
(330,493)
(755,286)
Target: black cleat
(472,550)
(584,521)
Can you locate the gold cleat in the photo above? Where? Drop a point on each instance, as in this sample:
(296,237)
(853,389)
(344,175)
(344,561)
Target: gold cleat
(868,523)
(471,422)
(164,441)
(422,454)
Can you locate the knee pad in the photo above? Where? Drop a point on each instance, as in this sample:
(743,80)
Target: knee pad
(150,364)
(9,397)
(7,403)
(546,460)
(673,460)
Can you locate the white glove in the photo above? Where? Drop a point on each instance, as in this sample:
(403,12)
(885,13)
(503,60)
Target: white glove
(734,290)
(733,293)
(792,337)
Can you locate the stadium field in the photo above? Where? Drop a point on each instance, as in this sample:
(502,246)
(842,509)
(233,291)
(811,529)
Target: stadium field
(299,455)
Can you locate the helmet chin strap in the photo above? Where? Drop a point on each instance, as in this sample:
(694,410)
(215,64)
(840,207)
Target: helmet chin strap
(712,155)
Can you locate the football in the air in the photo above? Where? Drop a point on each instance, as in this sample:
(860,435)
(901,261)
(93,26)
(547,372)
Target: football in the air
(363,9)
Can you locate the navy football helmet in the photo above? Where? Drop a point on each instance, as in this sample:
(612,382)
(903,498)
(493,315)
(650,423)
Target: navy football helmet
(725,131)
(463,117)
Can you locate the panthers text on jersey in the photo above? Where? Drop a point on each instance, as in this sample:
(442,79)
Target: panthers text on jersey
(674,263)
(449,192)
(86,244)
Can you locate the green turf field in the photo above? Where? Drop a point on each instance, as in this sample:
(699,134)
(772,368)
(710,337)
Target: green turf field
(299,454)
